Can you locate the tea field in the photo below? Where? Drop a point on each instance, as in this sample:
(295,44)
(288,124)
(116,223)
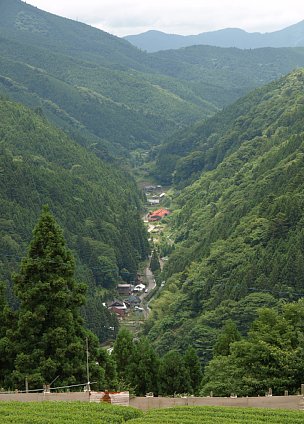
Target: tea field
(219,415)
(64,412)
(91,413)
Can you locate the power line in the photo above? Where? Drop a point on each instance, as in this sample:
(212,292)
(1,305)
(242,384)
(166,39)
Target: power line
(50,388)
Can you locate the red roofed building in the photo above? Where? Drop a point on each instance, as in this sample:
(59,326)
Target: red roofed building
(158,215)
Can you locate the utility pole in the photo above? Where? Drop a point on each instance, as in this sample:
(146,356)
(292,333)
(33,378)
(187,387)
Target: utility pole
(88,371)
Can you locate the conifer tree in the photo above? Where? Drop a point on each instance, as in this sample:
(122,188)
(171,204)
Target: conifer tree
(227,336)
(143,369)
(123,352)
(50,339)
(154,263)
(173,375)
(193,365)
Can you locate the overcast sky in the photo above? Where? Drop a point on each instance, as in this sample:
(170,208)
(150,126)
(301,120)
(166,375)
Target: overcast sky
(123,17)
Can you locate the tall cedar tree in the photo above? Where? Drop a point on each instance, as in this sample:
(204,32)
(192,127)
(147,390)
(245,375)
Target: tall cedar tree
(123,351)
(193,366)
(154,263)
(173,375)
(50,338)
(143,369)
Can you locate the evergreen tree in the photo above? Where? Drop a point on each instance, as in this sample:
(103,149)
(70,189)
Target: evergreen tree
(109,365)
(50,340)
(143,369)
(154,263)
(173,375)
(123,351)
(228,335)
(193,366)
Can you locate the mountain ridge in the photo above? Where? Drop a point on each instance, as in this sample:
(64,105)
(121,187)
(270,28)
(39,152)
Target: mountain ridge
(153,40)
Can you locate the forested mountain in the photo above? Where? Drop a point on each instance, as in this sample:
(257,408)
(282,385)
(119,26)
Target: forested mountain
(221,75)
(110,96)
(238,228)
(186,154)
(95,85)
(153,41)
(97,205)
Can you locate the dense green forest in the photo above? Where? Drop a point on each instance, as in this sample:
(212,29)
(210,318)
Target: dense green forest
(98,205)
(185,155)
(238,228)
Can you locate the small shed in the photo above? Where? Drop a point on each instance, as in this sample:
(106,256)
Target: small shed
(124,289)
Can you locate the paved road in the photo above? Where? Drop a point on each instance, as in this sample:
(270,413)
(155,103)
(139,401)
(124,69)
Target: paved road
(150,279)
(150,285)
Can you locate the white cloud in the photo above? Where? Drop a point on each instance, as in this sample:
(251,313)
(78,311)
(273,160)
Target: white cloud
(122,17)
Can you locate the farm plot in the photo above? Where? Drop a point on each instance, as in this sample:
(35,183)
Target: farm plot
(64,412)
(219,415)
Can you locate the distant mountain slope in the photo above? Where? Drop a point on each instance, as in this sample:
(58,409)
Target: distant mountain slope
(238,228)
(90,78)
(111,97)
(26,23)
(220,75)
(253,66)
(97,205)
(153,41)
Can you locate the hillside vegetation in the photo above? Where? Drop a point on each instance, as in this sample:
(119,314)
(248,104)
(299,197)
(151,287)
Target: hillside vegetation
(238,228)
(222,75)
(90,82)
(97,205)
(183,157)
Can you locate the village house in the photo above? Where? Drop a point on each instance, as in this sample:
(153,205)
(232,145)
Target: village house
(158,215)
(118,307)
(139,288)
(153,201)
(124,289)
(132,301)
